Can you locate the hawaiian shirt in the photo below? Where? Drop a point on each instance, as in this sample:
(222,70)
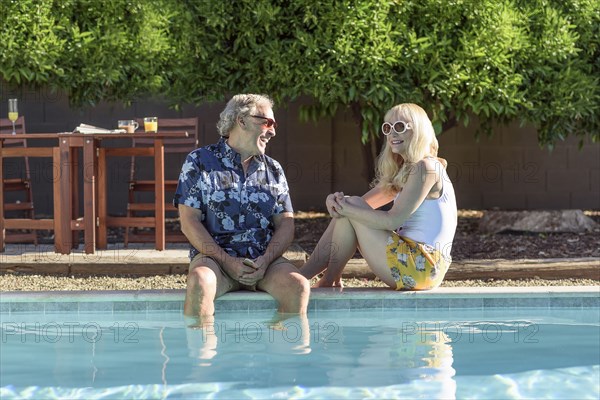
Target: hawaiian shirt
(237,208)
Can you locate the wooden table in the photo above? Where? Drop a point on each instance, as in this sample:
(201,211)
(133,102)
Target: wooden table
(66,187)
(95,215)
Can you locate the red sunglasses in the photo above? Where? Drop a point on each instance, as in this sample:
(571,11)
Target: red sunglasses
(269,122)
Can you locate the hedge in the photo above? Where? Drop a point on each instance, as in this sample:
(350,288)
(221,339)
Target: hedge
(536,61)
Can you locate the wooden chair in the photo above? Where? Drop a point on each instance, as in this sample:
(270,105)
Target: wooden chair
(21,202)
(175,152)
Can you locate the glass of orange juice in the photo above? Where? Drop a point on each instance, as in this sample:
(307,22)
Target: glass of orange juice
(151,124)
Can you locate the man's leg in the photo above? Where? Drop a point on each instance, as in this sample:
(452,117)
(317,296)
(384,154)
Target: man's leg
(206,281)
(291,290)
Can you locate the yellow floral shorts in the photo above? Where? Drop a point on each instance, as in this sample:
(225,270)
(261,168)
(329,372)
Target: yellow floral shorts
(415,266)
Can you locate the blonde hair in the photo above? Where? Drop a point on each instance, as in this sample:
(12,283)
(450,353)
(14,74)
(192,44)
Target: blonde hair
(392,169)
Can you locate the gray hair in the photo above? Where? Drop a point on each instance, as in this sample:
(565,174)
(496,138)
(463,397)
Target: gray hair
(239,105)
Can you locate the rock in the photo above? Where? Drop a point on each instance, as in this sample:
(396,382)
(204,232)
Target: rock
(537,221)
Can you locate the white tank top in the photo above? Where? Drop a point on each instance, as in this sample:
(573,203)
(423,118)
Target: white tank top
(434,222)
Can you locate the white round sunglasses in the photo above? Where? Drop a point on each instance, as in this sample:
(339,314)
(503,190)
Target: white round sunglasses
(398,127)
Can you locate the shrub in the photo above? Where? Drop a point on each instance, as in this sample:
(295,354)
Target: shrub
(537,61)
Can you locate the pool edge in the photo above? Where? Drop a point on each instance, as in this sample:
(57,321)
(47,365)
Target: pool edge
(321,299)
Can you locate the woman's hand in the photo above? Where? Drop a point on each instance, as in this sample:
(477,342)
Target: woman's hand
(332,204)
(345,206)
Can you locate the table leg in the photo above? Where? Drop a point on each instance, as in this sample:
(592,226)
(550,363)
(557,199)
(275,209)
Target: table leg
(89,195)
(58,200)
(159,190)
(74,162)
(2,230)
(102,200)
(63,233)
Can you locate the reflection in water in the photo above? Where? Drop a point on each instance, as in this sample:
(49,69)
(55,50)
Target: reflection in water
(289,334)
(94,369)
(259,354)
(247,353)
(434,353)
(163,352)
(394,357)
(283,334)
(202,341)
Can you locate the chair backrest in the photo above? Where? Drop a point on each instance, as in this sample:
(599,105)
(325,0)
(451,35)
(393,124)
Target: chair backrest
(182,146)
(6,128)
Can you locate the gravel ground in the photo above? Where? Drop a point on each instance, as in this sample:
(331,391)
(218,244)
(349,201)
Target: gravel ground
(469,244)
(22,282)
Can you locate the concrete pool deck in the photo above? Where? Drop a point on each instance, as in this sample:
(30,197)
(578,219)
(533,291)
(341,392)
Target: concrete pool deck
(142,260)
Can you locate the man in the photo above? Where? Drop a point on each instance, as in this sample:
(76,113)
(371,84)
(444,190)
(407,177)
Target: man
(236,212)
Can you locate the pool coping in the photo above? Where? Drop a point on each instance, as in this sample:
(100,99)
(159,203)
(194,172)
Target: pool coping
(321,299)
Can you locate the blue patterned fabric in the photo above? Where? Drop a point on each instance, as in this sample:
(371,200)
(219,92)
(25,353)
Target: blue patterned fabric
(237,209)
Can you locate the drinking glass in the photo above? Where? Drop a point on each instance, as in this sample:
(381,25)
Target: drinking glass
(151,124)
(13,113)
(128,125)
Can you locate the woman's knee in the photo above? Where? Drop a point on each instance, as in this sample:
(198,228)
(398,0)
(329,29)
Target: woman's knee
(357,201)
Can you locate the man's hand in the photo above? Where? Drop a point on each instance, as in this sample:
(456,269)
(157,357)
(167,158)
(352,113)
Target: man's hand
(258,271)
(238,270)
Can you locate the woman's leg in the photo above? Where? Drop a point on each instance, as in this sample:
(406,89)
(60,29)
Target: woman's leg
(331,251)
(342,249)
(372,244)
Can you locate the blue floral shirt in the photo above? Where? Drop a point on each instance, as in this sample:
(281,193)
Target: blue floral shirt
(237,208)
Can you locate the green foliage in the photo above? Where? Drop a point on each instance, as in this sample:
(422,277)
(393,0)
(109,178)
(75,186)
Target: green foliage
(31,42)
(95,50)
(537,61)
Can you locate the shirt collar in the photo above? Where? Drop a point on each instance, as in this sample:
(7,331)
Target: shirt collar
(227,151)
(233,155)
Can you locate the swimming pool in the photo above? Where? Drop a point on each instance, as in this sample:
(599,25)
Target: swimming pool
(103,349)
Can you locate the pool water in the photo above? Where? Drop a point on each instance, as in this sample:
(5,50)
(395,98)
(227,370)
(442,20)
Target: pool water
(497,353)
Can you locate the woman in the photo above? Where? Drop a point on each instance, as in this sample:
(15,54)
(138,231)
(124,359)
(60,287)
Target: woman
(407,247)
